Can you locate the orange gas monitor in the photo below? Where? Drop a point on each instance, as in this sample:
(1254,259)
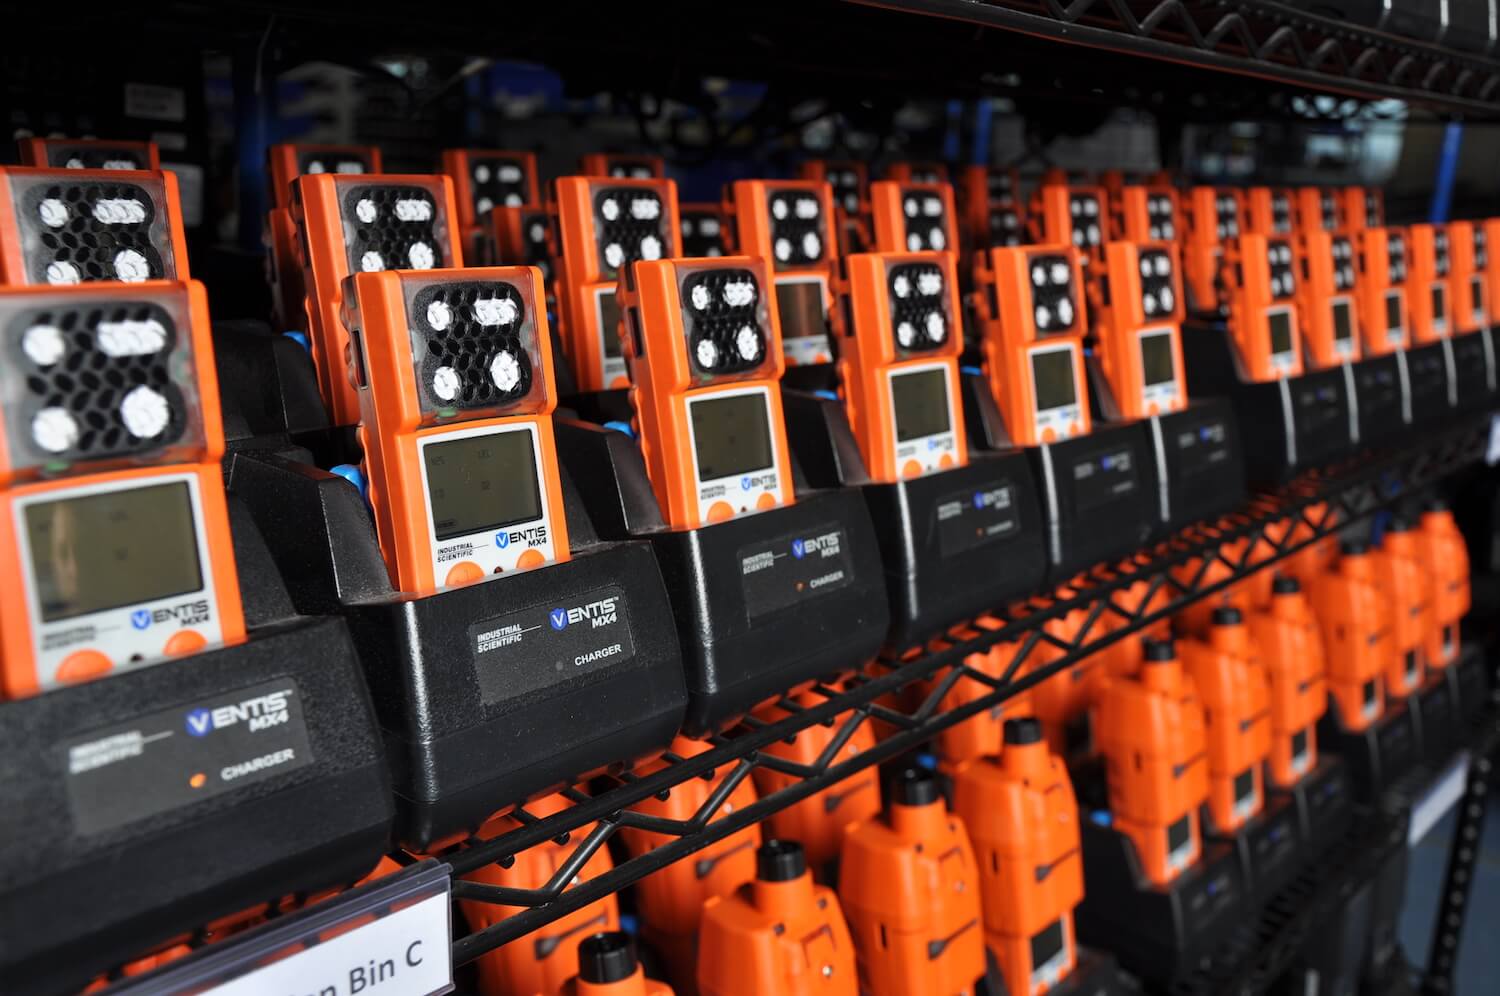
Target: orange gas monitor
(1402,570)
(1072,215)
(89,153)
(1466,280)
(363,224)
(484,179)
(910,888)
(608,966)
(1214,216)
(703,229)
(114,533)
(1326,302)
(917,171)
(454,373)
(913,217)
(1262,284)
(1287,638)
(293,159)
(67,226)
(898,365)
(789,223)
(779,934)
(604,226)
(1023,820)
(1237,701)
(1317,209)
(979,736)
(1449,596)
(623,166)
(1361,208)
(1431,270)
(1353,610)
(1030,303)
(705,373)
(1139,334)
(1270,211)
(1384,318)
(849,178)
(1150,730)
(522,236)
(989,197)
(1148,214)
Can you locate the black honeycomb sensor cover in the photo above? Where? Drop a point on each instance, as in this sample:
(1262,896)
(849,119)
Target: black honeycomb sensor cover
(90,230)
(722,315)
(632,225)
(798,236)
(475,357)
(919,306)
(92,155)
(394,227)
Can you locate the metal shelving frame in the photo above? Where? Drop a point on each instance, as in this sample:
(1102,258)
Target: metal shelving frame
(1249,540)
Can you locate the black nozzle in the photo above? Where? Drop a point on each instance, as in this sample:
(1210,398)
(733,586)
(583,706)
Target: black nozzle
(1227,615)
(606,957)
(915,787)
(1025,730)
(1158,651)
(1284,585)
(780,861)
(1354,547)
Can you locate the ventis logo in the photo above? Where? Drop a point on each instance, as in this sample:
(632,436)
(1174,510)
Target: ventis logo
(529,536)
(823,545)
(258,713)
(600,612)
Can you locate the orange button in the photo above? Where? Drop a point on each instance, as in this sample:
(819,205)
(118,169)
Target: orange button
(719,511)
(83,665)
(765,501)
(911,469)
(463,572)
(1049,435)
(945,461)
(1075,428)
(185,641)
(619,382)
(531,558)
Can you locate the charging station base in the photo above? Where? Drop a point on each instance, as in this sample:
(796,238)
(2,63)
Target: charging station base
(1436,714)
(1380,399)
(1473,370)
(1270,847)
(1324,801)
(1430,389)
(1200,465)
(1377,755)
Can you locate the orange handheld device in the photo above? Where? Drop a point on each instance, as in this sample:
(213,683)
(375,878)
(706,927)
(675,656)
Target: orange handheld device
(1237,700)
(989,198)
(484,179)
(1486,263)
(979,736)
(1150,730)
(1072,215)
(1287,638)
(542,961)
(1361,208)
(1384,319)
(703,230)
(622,166)
(1431,270)
(705,373)
(1214,216)
(89,153)
(454,375)
(69,226)
(917,171)
(1270,211)
(849,179)
(1139,333)
(604,226)
(608,966)
(1148,213)
(1449,596)
(898,364)
(1317,210)
(1326,302)
(363,224)
(910,888)
(779,934)
(913,217)
(1467,289)
(1063,702)
(789,223)
(1401,567)
(1262,287)
(523,238)
(114,530)
(1351,607)
(1030,304)
(1023,819)
(290,160)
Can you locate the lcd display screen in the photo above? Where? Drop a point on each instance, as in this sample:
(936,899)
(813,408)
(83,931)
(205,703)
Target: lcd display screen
(1476,295)
(1393,312)
(921,403)
(609,322)
(1299,743)
(1370,692)
(1343,321)
(104,551)
(1156,358)
(1178,835)
(479,483)
(1244,785)
(799,304)
(1052,378)
(731,435)
(1281,332)
(1439,303)
(1047,943)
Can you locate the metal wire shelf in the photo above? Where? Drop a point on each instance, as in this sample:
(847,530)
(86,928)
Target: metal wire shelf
(1241,544)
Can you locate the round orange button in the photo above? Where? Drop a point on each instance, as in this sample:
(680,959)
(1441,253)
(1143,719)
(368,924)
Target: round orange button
(619,382)
(1049,435)
(911,469)
(463,572)
(531,558)
(765,501)
(945,461)
(186,641)
(83,665)
(719,511)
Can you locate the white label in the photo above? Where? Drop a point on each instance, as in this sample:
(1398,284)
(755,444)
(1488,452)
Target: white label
(158,103)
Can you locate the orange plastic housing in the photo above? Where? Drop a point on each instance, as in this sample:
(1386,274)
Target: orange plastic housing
(442,356)
(913,217)
(523,236)
(980,735)
(787,937)
(670,901)
(1382,292)
(917,171)
(1317,210)
(1030,305)
(1287,639)
(1468,288)
(1361,208)
(850,180)
(290,160)
(790,223)
(679,315)
(542,961)
(1449,596)
(1063,701)
(1270,211)
(1023,819)
(909,887)
(898,363)
(1237,699)
(1352,607)
(1260,276)
(1147,213)
(1138,332)
(1214,216)
(484,179)
(820,821)
(86,641)
(622,166)
(1327,306)
(603,226)
(989,198)
(1486,260)
(89,153)
(1428,300)
(1150,730)
(1064,214)
(1401,567)
(361,224)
